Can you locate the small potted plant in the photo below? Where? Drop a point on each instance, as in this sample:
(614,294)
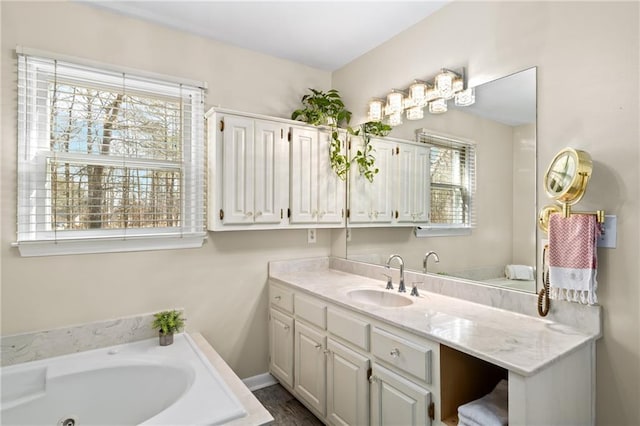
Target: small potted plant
(167,323)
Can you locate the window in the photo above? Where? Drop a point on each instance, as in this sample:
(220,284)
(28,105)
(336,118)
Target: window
(452,187)
(108,161)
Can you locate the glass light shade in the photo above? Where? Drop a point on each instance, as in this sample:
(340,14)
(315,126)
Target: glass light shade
(466,97)
(395,119)
(415,113)
(431,94)
(375,109)
(444,85)
(457,85)
(395,101)
(418,94)
(438,106)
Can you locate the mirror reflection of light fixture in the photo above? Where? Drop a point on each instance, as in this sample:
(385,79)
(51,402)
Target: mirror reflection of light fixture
(438,106)
(376,106)
(465,97)
(435,93)
(395,119)
(415,113)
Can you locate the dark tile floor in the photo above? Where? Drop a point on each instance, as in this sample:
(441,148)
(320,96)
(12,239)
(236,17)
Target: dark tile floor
(285,409)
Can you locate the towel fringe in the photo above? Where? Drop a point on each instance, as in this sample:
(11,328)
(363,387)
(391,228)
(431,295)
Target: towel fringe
(579,296)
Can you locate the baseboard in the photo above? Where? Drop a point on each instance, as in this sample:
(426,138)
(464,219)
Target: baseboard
(260,381)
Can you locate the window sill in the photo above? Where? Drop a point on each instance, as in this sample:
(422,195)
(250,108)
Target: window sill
(89,246)
(422,232)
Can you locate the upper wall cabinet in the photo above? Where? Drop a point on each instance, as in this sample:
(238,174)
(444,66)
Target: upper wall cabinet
(248,172)
(317,194)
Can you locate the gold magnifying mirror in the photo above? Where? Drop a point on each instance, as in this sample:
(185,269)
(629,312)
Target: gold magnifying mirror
(567,177)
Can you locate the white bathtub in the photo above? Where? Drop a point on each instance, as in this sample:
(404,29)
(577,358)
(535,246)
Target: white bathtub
(135,383)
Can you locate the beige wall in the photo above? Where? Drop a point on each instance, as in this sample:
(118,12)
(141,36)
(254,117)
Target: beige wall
(587,55)
(222,286)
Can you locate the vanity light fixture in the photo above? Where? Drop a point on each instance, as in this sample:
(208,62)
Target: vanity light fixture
(447,84)
(376,106)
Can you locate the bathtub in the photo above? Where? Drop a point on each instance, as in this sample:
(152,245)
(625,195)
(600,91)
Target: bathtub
(130,384)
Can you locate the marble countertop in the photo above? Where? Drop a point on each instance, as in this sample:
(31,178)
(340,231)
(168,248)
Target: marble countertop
(517,342)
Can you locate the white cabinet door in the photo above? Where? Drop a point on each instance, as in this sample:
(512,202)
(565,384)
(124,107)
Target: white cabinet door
(347,386)
(304,175)
(331,189)
(238,170)
(310,367)
(371,202)
(412,177)
(254,180)
(281,346)
(397,401)
(271,185)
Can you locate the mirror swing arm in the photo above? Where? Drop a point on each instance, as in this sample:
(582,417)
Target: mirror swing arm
(566,182)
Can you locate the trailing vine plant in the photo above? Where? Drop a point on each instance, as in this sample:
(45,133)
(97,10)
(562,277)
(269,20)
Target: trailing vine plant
(327,108)
(364,157)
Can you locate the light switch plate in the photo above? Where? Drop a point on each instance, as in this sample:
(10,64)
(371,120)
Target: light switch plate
(608,239)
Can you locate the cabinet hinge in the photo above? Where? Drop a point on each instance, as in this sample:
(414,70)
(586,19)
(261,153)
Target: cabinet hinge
(431,411)
(349,143)
(221,214)
(342,214)
(281,213)
(289,135)
(281,133)
(397,150)
(396,214)
(288,213)
(348,213)
(222,125)
(369,374)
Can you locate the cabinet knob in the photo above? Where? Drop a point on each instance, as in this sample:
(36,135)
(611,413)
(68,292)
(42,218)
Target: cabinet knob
(249,214)
(258,213)
(327,352)
(318,346)
(373,379)
(395,353)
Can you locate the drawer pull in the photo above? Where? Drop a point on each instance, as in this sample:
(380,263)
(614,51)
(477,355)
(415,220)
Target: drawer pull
(373,379)
(278,298)
(395,353)
(286,328)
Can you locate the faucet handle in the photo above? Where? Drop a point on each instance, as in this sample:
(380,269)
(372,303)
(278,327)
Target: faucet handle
(414,289)
(389,282)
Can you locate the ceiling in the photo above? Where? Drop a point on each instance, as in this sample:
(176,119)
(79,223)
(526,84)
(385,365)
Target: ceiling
(321,34)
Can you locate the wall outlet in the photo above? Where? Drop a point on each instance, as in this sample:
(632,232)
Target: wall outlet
(608,238)
(311,236)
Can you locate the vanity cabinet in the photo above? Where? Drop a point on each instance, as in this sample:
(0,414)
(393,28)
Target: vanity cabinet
(397,401)
(350,370)
(371,203)
(317,194)
(249,175)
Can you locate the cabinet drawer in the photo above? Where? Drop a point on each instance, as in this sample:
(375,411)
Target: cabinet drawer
(408,356)
(312,311)
(351,329)
(281,298)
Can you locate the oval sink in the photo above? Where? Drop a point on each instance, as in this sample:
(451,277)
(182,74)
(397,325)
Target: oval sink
(383,298)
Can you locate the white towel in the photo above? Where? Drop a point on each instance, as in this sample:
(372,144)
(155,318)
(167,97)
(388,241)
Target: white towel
(490,410)
(519,272)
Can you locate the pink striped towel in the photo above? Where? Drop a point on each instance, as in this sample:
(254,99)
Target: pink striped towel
(573,257)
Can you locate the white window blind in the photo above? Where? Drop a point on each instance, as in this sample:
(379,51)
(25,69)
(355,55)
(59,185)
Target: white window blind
(453,175)
(108,161)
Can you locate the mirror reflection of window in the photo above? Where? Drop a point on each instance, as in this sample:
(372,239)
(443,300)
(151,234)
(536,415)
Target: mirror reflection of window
(452,181)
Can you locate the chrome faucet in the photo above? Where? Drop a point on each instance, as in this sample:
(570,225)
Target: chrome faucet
(426,258)
(401,288)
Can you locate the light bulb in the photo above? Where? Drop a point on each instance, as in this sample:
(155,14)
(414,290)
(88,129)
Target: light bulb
(466,97)
(415,113)
(438,106)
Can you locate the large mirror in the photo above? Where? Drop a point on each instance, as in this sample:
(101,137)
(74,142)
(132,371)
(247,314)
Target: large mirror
(500,250)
